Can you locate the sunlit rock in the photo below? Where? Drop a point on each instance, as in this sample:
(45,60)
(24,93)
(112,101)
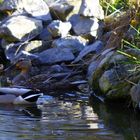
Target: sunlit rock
(91,8)
(20,28)
(74,43)
(85,27)
(13,50)
(37,8)
(58,28)
(60,10)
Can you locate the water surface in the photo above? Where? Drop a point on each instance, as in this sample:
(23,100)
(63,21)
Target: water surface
(68,120)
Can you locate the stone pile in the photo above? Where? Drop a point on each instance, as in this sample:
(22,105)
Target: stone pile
(64,39)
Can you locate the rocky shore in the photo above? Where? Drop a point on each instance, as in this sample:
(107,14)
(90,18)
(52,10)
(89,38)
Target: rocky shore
(69,45)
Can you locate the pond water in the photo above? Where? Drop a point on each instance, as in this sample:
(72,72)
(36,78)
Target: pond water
(68,120)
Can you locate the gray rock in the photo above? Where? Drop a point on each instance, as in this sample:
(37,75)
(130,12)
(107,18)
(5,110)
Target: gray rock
(85,27)
(91,8)
(97,68)
(76,4)
(117,58)
(74,43)
(56,69)
(135,94)
(35,46)
(108,80)
(133,52)
(37,8)
(13,54)
(20,28)
(74,19)
(23,54)
(12,50)
(45,35)
(55,55)
(93,48)
(58,28)
(10,5)
(60,10)
(91,70)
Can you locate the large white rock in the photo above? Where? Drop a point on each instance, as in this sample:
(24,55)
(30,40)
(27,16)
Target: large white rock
(91,8)
(37,8)
(20,28)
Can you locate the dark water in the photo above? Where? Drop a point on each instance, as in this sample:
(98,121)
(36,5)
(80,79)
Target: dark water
(65,120)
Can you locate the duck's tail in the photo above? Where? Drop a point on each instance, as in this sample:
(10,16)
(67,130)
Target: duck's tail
(29,97)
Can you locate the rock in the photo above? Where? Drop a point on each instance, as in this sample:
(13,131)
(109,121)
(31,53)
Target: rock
(117,58)
(111,76)
(135,94)
(74,43)
(37,9)
(133,52)
(56,69)
(97,68)
(114,82)
(74,19)
(55,55)
(10,5)
(12,56)
(76,4)
(58,28)
(91,8)
(93,48)
(13,50)
(119,94)
(85,27)
(20,28)
(45,35)
(108,80)
(60,10)
(25,55)
(90,72)
(35,46)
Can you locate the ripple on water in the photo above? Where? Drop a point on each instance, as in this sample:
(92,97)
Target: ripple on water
(58,120)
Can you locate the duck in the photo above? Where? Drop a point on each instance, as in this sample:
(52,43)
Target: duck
(25,66)
(18,95)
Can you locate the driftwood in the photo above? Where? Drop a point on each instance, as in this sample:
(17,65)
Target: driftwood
(65,85)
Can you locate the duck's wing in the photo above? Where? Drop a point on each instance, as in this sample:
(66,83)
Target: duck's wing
(15,91)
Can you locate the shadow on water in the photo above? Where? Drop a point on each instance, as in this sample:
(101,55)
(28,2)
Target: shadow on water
(119,118)
(69,120)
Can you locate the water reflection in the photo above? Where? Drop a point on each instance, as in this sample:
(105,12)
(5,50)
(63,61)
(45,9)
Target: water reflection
(120,119)
(63,120)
